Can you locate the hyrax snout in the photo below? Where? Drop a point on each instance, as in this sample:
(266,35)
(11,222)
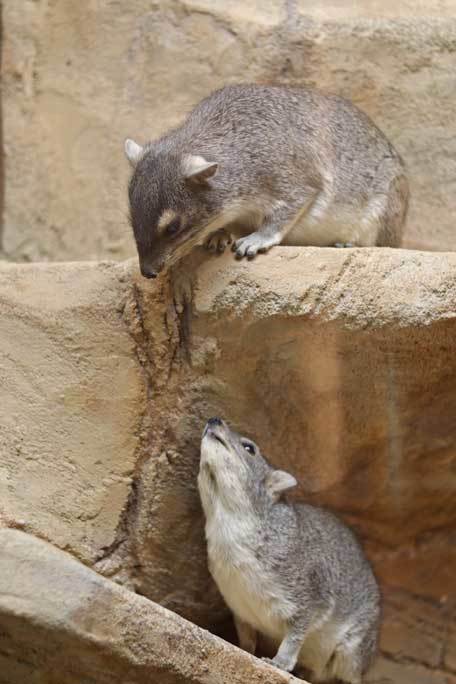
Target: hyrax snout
(292,572)
(270,165)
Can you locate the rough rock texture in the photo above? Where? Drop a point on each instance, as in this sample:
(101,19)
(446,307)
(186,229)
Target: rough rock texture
(77,78)
(72,397)
(79,377)
(341,363)
(61,623)
(352,358)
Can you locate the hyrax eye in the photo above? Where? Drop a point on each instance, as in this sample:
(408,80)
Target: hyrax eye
(249,447)
(174,227)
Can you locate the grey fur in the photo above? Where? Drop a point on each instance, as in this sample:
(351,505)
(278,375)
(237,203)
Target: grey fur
(293,572)
(283,165)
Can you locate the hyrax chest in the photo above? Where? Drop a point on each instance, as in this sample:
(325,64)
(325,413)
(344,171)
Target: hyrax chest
(250,592)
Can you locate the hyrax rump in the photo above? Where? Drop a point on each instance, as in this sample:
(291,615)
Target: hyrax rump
(292,572)
(273,165)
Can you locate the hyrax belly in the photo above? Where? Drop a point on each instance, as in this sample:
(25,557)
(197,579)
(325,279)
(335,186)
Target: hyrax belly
(327,223)
(251,596)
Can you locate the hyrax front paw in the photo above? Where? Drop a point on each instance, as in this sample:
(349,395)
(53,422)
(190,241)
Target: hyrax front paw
(251,245)
(218,241)
(277,663)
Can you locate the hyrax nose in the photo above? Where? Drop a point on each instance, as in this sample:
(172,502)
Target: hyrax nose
(212,422)
(147,272)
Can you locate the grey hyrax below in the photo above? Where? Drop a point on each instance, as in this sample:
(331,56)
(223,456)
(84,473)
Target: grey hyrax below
(273,165)
(292,572)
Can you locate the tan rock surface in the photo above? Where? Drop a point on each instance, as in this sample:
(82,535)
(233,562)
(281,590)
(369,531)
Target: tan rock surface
(79,78)
(62,623)
(86,456)
(72,396)
(341,363)
(418,630)
(344,367)
(387,671)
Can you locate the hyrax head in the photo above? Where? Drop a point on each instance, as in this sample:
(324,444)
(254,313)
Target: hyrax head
(171,203)
(233,471)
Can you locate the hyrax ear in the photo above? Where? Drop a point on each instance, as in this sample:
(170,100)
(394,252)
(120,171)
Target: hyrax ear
(278,482)
(197,169)
(133,151)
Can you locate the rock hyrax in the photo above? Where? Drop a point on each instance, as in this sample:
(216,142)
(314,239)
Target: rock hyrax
(292,572)
(272,165)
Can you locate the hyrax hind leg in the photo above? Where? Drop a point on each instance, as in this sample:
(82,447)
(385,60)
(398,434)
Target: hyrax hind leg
(386,211)
(392,221)
(344,667)
(352,657)
(247,635)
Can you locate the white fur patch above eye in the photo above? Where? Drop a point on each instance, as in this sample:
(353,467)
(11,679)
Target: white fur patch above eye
(166,218)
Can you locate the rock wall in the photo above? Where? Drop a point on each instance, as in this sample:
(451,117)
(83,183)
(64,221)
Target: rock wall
(62,623)
(340,363)
(72,398)
(77,78)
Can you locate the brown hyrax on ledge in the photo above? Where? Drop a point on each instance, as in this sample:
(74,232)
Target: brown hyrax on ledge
(273,165)
(292,572)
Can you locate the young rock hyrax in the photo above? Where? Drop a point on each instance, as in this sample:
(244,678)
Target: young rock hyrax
(292,572)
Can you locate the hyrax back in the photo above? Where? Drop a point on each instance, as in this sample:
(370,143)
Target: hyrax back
(294,573)
(272,164)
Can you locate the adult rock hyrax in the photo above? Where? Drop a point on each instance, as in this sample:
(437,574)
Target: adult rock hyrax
(292,572)
(272,165)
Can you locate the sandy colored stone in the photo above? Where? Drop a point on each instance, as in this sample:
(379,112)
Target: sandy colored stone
(79,78)
(62,623)
(390,672)
(72,395)
(416,628)
(86,457)
(425,567)
(340,363)
(449,657)
(345,10)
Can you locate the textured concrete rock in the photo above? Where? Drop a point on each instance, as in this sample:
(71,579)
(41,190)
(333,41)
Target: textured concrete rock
(86,453)
(341,363)
(418,630)
(72,396)
(62,623)
(78,78)
(391,672)
(343,366)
